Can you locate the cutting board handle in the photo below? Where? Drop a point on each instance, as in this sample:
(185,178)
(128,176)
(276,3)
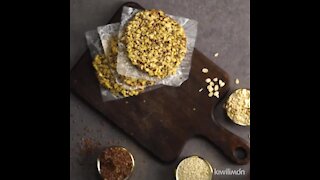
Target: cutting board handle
(234,147)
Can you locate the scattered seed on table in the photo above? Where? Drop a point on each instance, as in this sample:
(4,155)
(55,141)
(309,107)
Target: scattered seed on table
(210,88)
(215,79)
(127,102)
(200,89)
(216,54)
(194,109)
(211,83)
(208,80)
(216,87)
(237,81)
(221,83)
(210,94)
(216,94)
(205,70)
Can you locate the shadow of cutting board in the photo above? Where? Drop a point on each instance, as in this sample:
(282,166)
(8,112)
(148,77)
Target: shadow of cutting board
(164,119)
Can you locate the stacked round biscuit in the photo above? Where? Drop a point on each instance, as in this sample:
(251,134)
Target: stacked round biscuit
(105,68)
(155,43)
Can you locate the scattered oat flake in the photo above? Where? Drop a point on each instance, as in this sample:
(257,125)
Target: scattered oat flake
(216,54)
(210,94)
(215,79)
(194,109)
(205,70)
(237,81)
(208,80)
(200,89)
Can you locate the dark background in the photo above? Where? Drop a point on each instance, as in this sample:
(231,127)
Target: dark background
(224,27)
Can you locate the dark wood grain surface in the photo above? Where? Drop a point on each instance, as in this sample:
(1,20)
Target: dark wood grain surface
(164,119)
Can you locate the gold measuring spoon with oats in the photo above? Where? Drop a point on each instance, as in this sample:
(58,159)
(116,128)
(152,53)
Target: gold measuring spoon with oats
(238,107)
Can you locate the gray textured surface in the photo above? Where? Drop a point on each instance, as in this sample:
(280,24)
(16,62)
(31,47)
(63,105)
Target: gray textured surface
(224,27)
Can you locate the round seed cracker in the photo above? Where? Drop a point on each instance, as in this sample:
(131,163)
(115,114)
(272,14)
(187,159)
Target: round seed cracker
(155,43)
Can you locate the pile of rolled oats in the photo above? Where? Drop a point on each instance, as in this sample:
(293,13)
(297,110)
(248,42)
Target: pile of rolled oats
(155,43)
(238,107)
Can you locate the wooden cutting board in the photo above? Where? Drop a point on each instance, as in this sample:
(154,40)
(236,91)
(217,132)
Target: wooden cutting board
(164,119)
